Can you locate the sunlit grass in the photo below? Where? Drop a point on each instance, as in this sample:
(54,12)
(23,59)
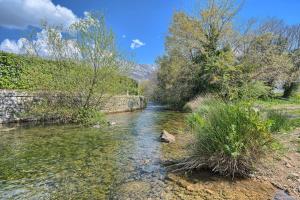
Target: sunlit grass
(230,138)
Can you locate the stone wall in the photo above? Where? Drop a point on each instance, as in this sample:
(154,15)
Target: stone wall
(13,104)
(124,103)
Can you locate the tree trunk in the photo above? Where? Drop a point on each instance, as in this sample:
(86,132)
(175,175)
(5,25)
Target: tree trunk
(289,88)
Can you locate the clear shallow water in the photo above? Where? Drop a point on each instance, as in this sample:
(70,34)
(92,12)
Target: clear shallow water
(70,162)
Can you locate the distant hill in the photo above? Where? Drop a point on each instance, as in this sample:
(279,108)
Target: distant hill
(142,71)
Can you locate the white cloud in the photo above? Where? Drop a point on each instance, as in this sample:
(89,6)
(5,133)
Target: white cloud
(23,13)
(12,46)
(22,45)
(39,46)
(136,43)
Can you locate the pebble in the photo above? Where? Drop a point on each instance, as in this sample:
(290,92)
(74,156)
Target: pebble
(209,191)
(277,185)
(190,188)
(288,165)
(293,176)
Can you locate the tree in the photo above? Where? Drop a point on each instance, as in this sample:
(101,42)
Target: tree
(207,54)
(97,50)
(271,53)
(199,58)
(266,60)
(292,83)
(84,70)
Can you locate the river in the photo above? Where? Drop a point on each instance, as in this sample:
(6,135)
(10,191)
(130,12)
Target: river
(72,162)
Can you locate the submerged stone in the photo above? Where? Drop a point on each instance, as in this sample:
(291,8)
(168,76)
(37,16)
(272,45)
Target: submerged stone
(167,137)
(112,123)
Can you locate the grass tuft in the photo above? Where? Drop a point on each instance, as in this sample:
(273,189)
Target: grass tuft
(231,138)
(279,121)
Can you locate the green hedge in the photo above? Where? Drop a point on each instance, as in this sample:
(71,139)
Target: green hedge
(33,73)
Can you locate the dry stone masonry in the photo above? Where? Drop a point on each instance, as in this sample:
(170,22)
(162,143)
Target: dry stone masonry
(13,104)
(124,103)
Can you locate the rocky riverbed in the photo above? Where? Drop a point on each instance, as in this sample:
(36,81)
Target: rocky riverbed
(126,161)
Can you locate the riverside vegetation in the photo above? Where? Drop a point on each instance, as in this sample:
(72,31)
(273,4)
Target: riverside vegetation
(240,119)
(81,72)
(233,73)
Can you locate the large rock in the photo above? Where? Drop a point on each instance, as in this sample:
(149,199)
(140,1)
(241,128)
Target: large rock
(167,137)
(281,195)
(112,123)
(97,126)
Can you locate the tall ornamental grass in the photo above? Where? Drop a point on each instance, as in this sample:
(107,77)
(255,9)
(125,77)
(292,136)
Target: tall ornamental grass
(230,138)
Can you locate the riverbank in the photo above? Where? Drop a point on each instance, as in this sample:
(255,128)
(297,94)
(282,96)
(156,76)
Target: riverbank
(278,171)
(272,175)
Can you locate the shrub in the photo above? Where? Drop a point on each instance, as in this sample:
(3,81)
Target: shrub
(254,90)
(195,103)
(88,117)
(279,121)
(231,138)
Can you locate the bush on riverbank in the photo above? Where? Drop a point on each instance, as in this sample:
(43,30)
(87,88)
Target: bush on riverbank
(279,121)
(89,117)
(231,138)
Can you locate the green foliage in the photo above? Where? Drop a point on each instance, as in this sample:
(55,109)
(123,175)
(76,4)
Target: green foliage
(231,138)
(266,60)
(81,78)
(61,78)
(206,54)
(279,121)
(194,120)
(197,59)
(33,73)
(125,84)
(295,122)
(291,84)
(278,102)
(88,117)
(11,70)
(37,74)
(251,90)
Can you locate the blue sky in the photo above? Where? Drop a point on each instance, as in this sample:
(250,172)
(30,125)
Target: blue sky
(145,21)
